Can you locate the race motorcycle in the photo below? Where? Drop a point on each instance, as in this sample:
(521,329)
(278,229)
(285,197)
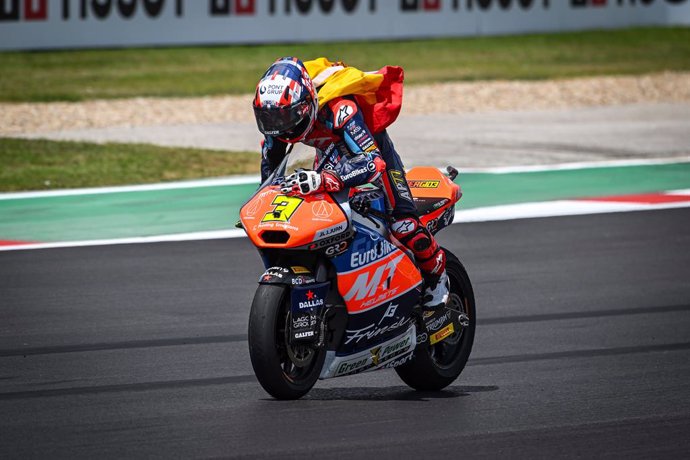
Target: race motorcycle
(340,295)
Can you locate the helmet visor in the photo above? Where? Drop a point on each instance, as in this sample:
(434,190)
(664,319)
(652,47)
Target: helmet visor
(277,121)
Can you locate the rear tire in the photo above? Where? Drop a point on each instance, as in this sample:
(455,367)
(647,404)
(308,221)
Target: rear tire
(283,370)
(434,367)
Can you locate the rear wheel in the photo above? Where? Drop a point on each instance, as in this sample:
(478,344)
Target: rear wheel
(285,371)
(434,367)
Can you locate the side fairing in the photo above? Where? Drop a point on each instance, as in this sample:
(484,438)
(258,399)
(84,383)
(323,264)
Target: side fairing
(380,285)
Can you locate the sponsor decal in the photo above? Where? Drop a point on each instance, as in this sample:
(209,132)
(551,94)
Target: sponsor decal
(354,173)
(322,210)
(274,225)
(274,272)
(448,216)
(330,231)
(355,129)
(329,241)
(275,89)
(372,331)
(366,287)
(440,204)
(303,297)
(432,225)
(284,207)
(376,356)
(301,335)
(369,145)
(37,10)
(168,20)
(397,346)
(312,301)
(390,312)
(359,259)
(352,366)
(397,362)
(253,208)
(299,270)
(322,6)
(442,334)
(331,184)
(337,249)
(398,179)
(344,111)
(364,141)
(424,5)
(303,321)
(403,227)
(435,324)
(424,183)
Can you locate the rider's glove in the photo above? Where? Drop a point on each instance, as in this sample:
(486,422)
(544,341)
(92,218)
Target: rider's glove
(306,182)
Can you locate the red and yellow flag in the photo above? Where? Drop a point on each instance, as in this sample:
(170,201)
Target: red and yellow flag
(379,94)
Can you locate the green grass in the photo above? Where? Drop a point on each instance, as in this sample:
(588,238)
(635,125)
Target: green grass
(196,71)
(42,165)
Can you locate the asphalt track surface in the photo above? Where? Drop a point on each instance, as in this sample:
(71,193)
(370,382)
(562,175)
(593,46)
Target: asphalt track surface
(582,349)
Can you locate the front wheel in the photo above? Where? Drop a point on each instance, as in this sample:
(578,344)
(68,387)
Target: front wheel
(434,367)
(285,371)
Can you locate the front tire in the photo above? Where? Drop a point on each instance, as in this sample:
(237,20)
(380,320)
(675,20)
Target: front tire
(434,367)
(283,370)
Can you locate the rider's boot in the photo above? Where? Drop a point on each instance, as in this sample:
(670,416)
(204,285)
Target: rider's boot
(429,256)
(436,291)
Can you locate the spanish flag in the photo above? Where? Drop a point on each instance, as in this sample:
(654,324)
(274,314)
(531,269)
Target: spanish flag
(379,94)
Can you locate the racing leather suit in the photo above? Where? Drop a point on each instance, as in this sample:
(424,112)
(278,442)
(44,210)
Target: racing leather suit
(345,145)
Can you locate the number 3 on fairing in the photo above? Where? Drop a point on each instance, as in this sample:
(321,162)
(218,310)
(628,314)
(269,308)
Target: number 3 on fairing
(285,207)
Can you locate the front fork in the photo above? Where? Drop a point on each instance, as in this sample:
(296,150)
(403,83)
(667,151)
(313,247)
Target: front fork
(306,318)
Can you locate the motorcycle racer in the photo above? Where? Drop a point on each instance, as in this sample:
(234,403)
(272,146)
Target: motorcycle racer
(288,110)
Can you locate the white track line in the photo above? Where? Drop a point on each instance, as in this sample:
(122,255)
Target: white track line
(555,209)
(578,165)
(486,214)
(239,180)
(194,236)
(243,180)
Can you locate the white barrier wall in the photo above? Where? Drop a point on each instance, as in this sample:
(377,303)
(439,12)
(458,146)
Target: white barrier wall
(39,24)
